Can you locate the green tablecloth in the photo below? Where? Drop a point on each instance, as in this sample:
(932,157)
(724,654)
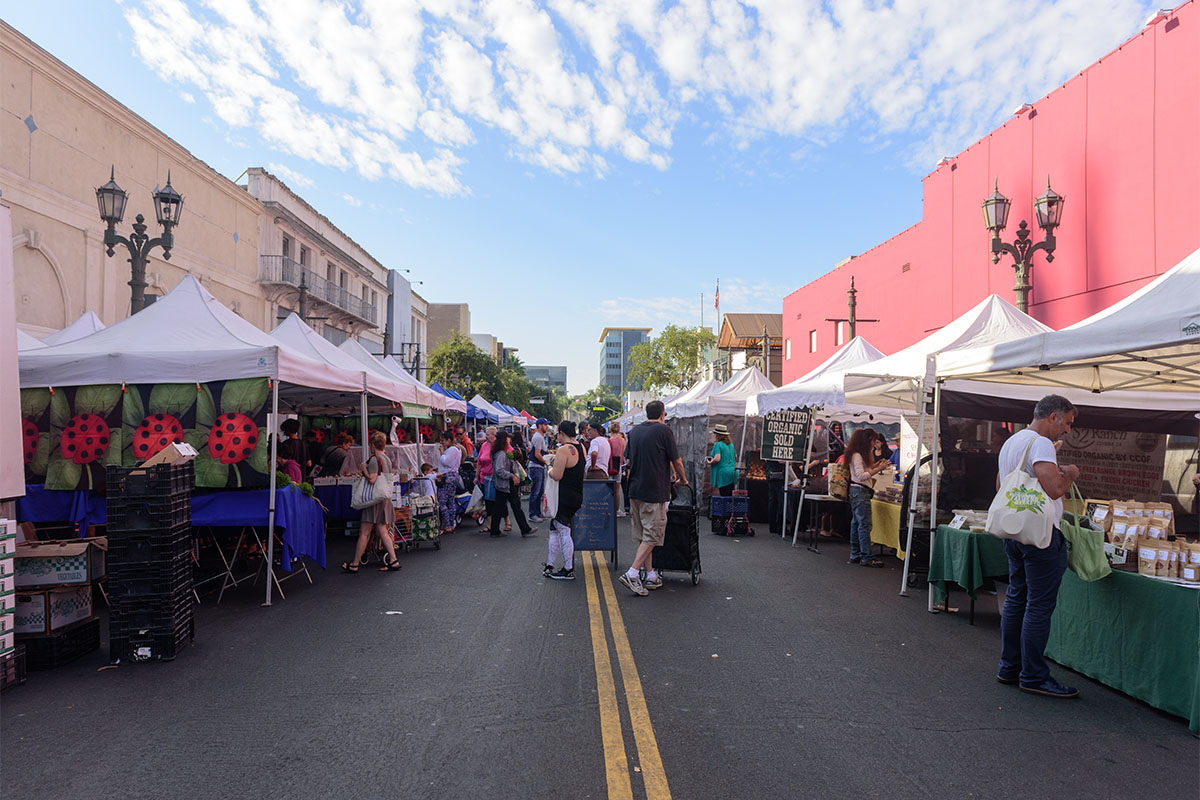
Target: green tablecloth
(1138,635)
(966,558)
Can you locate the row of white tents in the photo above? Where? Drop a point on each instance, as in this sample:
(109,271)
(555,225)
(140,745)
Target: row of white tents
(188,336)
(1133,366)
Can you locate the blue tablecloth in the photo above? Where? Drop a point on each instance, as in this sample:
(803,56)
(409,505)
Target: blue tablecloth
(336,500)
(300,519)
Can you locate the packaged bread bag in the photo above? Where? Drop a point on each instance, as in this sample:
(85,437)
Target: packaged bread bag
(1147,551)
(1118,525)
(1162,559)
(1190,570)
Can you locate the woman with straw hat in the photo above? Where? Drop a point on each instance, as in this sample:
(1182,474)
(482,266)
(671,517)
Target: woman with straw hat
(722,464)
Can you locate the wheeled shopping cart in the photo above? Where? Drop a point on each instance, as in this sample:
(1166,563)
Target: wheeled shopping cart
(680,551)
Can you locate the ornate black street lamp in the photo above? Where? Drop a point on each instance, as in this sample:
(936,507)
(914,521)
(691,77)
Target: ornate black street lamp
(1048,208)
(168,205)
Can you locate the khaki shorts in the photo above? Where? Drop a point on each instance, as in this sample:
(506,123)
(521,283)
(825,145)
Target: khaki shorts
(649,522)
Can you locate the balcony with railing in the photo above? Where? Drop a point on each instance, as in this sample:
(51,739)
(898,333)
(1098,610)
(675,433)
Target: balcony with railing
(284,271)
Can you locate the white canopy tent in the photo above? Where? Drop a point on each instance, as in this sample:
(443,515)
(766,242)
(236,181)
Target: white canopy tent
(438,400)
(699,392)
(422,393)
(187,336)
(87,324)
(27,342)
(295,334)
(824,385)
(503,417)
(1149,341)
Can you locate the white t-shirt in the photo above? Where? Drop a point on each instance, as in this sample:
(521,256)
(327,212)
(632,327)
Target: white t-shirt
(537,445)
(1041,450)
(599,445)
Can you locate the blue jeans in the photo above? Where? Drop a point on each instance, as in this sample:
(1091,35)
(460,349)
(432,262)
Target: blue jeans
(537,475)
(1033,579)
(860,523)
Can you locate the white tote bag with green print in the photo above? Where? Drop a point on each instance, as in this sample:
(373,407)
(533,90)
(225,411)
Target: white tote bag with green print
(1022,510)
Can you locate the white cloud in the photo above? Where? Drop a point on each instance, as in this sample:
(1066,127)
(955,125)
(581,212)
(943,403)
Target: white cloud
(187,97)
(289,175)
(351,200)
(397,91)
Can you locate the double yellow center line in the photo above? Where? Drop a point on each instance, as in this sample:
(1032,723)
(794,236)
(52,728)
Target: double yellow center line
(616,764)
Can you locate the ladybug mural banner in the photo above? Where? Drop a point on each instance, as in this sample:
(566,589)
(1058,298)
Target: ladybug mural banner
(69,435)
(223,420)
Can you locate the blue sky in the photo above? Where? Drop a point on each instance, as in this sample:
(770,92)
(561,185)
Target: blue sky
(574,164)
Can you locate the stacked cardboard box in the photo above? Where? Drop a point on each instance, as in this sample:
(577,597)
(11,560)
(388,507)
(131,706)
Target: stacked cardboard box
(52,611)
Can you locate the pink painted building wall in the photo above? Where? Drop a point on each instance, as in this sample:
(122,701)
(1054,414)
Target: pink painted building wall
(1120,141)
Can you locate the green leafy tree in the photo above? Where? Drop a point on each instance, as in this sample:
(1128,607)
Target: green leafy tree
(670,360)
(515,390)
(459,365)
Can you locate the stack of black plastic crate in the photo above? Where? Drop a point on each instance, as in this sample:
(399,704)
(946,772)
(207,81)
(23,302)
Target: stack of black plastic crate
(150,561)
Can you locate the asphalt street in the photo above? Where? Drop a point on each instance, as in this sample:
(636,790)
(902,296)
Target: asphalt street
(784,673)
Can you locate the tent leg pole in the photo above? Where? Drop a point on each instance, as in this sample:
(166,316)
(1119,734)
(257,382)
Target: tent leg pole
(787,472)
(804,481)
(274,489)
(933,471)
(912,496)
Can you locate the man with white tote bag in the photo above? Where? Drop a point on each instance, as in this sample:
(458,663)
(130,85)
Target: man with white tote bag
(1036,561)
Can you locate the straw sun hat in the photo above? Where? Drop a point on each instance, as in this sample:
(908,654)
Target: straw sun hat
(720,430)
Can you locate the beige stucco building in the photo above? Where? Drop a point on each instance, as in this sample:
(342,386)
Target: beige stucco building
(59,137)
(347,287)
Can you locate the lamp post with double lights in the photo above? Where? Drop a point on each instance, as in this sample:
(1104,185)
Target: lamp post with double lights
(1048,209)
(168,205)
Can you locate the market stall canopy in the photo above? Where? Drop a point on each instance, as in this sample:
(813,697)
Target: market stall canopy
(454,401)
(432,399)
(889,382)
(294,333)
(731,398)
(87,324)
(697,393)
(1148,341)
(823,386)
(27,342)
(187,336)
(495,415)
(422,394)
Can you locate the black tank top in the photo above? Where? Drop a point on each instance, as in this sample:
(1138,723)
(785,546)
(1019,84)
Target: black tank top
(570,488)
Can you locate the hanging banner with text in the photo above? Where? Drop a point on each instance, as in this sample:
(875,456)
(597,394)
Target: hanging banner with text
(1116,465)
(785,435)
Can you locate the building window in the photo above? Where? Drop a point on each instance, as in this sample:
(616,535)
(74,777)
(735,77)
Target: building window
(841,334)
(344,280)
(287,247)
(366,294)
(787,349)
(330,273)
(303,256)
(812,341)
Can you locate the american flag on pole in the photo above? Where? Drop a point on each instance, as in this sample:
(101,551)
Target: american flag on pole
(717,296)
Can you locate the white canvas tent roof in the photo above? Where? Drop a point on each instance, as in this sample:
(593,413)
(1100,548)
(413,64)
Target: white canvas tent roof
(294,333)
(821,386)
(436,399)
(1148,341)
(733,395)
(87,324)
(187,337)
(699,392)
(422,393)
(503,416)
(889,382)
(27,342)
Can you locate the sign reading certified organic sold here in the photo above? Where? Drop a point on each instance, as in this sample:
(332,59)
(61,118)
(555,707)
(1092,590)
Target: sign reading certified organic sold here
(785,435)
(1118,465)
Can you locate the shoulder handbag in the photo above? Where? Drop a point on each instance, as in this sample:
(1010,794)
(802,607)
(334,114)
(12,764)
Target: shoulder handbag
(1021,510)
(364,494)
(1085,547)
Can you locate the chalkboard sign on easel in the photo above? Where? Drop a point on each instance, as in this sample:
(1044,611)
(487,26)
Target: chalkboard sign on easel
(596,521)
